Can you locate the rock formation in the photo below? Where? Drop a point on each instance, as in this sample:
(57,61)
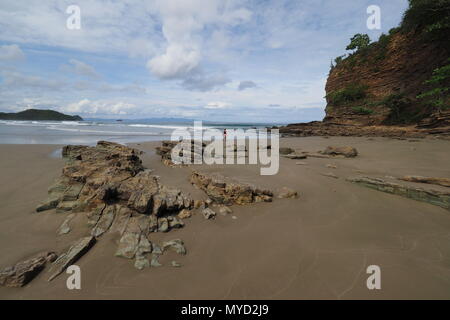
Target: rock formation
(25,271)
(432,196)
(110,187)
(225,191)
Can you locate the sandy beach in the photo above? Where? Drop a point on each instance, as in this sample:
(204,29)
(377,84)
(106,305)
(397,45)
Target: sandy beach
(315,247)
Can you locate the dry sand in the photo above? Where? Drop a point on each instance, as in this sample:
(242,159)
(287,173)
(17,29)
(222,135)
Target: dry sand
(317,246)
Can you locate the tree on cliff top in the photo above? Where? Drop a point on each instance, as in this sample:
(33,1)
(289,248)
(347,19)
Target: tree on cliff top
(431,16)
(358,42)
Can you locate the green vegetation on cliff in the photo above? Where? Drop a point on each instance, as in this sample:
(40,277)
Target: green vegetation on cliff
(401,78)
(34,114)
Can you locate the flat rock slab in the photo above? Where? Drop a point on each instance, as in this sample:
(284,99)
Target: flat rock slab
(435,197)
(74,253)
(445,182)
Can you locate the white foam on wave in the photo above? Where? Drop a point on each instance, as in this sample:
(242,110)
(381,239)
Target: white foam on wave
(156,126)
(104,132)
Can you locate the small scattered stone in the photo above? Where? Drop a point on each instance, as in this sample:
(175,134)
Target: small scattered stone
(331,166)
(299,163)
(224,210)
(287,193)
(175,264)
(208,213)
(330,174)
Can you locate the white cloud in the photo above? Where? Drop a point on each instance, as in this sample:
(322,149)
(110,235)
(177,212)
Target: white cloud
(183,24)
(11,53)
(99,107)
(217,105)
(15,80)
(81,68)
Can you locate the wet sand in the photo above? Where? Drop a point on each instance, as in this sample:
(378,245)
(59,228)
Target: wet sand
(314,247)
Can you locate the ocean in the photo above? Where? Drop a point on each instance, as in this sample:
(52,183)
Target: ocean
(89,132)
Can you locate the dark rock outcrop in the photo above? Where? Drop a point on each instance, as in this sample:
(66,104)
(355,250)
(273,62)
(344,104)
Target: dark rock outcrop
(25,271)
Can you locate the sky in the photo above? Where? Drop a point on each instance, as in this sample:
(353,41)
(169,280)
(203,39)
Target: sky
(219,60)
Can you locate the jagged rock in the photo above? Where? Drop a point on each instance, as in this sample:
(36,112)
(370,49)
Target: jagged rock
(284,151)
(105,221)
(144,247)
(154,262)
(163,225)
(287,193)
(23,272)
(198,204)
(445,182)
(157,249)
(74,253)
(108,184)
(175,223)
(224,191)
(128,245)
(346,151)
(65,227)
(185,214)
(177,245)
(141,262)
(435,197)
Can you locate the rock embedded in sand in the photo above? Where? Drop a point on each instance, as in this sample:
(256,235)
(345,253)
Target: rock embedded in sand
(285,151)
(74,253)
(65,227)
(295,156)
(23,272)
(225,191)
(330,174)
(346,151)
(435,197)
(445,182)
(287,193)
(177,245)
(224,210)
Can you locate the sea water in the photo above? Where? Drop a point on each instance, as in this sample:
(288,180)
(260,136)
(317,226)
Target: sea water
(89,132)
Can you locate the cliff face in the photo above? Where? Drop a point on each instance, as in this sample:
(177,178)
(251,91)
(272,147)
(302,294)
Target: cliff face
(379,84)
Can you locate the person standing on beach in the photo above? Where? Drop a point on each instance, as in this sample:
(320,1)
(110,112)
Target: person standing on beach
(224,134)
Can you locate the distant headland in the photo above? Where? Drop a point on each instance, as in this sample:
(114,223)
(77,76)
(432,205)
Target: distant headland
(34,114)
